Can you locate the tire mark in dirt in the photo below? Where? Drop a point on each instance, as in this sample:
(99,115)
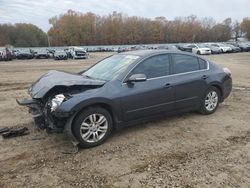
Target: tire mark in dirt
(244,139)
(240,88)
(177,161)
(14,86)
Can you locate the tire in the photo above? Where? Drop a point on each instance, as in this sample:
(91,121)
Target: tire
(198,52)
(89,134)
(210,105)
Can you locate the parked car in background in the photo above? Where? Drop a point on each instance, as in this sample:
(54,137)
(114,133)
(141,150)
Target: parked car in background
(184,47)
(200,49)
(60,55)
(172,47)
(122,49)
(214,49)
(223,47)
(24,54)
(68,52)
(1,55)
(42,54)
(125,89)
(5,54)
(235,49)
(78,53)
(14,53)
(51,52)
(245,47)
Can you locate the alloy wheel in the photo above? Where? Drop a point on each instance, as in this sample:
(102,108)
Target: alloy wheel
(94,128)
(211,101)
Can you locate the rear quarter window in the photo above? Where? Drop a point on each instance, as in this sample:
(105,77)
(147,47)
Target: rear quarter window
(203,64)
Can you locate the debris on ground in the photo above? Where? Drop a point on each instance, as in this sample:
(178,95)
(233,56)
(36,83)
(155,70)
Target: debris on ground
(15,132)
(4,129)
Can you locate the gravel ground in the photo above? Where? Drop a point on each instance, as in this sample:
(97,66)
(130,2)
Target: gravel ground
(189,150)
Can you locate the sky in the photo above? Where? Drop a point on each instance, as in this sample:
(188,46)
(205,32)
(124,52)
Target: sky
(39,11)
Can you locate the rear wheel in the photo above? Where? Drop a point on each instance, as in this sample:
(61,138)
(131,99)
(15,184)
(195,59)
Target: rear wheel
(198,52)
(92,127)
(210,101)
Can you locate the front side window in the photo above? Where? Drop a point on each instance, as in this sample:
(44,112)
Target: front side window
(185,63)
(153,67)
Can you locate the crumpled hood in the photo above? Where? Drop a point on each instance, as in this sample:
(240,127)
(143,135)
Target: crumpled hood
(58,78)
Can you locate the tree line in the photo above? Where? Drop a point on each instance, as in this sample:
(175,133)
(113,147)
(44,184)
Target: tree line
(22,35)
(74,28)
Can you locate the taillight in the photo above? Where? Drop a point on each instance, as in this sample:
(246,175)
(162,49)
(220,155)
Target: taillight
(227,71)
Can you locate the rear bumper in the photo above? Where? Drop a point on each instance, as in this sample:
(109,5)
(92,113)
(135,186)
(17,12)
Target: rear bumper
(227,87)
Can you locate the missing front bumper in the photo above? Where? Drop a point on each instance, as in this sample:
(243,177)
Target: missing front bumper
(44,122)
(35,109)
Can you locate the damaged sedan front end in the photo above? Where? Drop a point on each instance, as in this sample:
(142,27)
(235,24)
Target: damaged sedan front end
(49,92)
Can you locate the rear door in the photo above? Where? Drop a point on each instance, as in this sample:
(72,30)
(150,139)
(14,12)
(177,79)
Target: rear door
(153,96)
(190,80)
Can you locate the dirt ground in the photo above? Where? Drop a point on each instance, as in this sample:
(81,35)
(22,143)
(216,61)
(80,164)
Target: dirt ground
(189,150)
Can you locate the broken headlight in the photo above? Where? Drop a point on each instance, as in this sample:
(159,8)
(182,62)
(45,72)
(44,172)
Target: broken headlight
(57,101)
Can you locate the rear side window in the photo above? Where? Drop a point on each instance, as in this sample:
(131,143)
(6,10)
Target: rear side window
(203,64)
(185,63)
(153,67)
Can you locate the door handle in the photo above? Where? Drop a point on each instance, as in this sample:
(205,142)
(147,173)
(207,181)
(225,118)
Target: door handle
(204,77)
(168,85)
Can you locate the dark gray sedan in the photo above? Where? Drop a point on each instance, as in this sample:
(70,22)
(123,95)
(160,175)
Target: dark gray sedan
(125,89)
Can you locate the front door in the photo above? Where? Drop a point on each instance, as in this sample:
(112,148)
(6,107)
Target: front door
(153,96)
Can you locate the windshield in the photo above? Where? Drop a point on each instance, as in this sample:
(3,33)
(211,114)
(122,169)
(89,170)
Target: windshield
(110,67)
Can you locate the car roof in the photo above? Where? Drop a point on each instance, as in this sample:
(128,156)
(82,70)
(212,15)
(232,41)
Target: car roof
(145,53)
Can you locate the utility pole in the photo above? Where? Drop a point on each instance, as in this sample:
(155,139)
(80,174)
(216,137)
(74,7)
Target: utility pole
(48,40)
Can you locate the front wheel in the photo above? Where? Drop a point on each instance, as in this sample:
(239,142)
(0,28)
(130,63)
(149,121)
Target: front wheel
(210,101)
(92,127)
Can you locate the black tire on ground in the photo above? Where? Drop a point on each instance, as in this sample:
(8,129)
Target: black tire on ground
(76,127)
(203,109)
(198,52)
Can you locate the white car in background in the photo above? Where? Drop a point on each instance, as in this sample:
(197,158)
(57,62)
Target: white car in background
(200,49)
(78,53)
(224,48)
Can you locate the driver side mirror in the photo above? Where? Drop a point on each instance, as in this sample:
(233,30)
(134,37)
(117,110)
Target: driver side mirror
(137,78)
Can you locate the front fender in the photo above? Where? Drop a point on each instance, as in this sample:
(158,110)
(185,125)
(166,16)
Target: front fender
(71,107)
(90,97)
(75,104)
